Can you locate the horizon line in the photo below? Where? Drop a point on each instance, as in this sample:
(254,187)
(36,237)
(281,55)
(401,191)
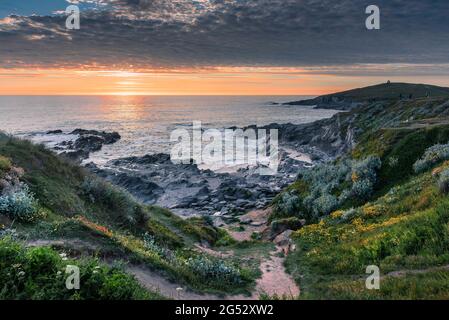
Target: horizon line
(155,95)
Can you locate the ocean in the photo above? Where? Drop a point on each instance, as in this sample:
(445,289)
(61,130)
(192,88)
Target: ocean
(144,122)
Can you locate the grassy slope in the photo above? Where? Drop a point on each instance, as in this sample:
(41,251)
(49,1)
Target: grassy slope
(385,91)
(403,227)
(105,222)
(392,91)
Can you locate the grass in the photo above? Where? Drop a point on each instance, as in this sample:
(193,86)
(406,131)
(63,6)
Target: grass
(403,225)
(432,285)
(403,229)
(5,164)
(39,274)
(78,205)
(404,145)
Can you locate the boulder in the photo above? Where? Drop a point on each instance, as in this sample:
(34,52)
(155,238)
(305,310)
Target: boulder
(279,226)
(54,132)
(283,239)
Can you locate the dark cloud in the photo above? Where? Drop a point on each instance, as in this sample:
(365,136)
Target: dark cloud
(161,33)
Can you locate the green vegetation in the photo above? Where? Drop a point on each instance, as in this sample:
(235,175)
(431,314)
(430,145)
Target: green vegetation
(39,273)
(384,203)
(329,185)
(20,205)
(402,227)
(66,202)
(5,165)
(391,91)
(397,218)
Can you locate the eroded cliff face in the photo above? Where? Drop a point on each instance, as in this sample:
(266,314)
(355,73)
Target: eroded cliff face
(340,133)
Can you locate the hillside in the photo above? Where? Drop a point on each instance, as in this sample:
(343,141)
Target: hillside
(350,99)
(379,198)
(382,201)
(52,210)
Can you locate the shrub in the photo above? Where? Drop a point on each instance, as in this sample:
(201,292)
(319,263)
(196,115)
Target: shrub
(431,157)
(292,223)
(151,244)
(362,189)
(214,270)
(5,163)
(348,215)
(39,274)
(20,205)
(366,169)
(329,186)
(325,204)
(364,177)
(118,201)
(443,181)
(288,205)
(393,162)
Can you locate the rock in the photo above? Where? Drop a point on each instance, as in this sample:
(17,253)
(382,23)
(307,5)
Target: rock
(145,190)
(109,137)
(246,220)
(89,143)
(241,202)
(76,156)
(5,221)
(54,132)
(204,191)
(279,226)
(10,180)
(283,239)
(257,223)
(187,188)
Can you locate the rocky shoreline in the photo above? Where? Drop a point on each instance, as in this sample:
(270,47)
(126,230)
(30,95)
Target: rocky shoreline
(187,189)
(87,141)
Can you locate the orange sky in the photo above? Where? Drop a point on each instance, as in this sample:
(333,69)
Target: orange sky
(213,81)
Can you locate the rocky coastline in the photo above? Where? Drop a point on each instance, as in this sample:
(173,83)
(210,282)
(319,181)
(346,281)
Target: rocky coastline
(189,190)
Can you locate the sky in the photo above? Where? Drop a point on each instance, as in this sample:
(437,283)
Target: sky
(222,47)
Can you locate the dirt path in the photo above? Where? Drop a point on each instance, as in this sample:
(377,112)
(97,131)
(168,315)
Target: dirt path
(155,282)
(274,280)
(255,221)
(72,244)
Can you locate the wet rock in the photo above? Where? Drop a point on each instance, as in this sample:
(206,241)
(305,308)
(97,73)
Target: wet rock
(283,239)
(76,156)
(88,141)
(54,132)
(108,137)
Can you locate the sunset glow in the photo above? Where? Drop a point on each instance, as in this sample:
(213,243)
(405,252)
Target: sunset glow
(206,81)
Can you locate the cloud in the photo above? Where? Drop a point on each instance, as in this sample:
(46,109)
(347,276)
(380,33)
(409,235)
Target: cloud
(160,34)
